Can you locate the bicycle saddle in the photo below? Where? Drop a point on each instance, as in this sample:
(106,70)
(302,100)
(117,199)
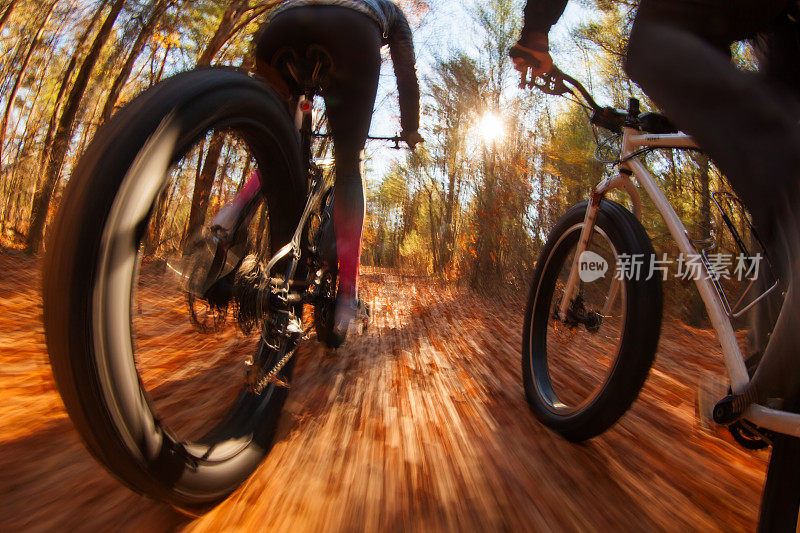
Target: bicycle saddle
(308,73)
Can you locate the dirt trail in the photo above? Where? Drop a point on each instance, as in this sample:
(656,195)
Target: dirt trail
(419,423)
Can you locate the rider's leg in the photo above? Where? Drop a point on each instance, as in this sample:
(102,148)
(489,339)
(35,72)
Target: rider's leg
(677,54)
(741,120)
(778,53)
(243,204)
(353,41)
(348,219)
(349,102)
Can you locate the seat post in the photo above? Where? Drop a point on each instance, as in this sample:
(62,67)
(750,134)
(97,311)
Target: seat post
(303,120)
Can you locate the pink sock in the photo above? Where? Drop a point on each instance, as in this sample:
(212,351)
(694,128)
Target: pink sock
(348,228)
(250,190)
(231,212)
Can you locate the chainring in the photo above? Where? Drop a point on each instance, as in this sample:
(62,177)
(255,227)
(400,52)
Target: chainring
(750,437)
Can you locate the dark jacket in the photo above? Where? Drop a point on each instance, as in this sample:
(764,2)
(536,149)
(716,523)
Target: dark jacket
(541,14)
(395,32)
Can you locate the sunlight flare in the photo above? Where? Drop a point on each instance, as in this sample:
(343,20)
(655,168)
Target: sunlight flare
(491,127)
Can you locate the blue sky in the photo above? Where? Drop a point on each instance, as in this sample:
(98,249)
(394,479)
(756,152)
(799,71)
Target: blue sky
(445,28)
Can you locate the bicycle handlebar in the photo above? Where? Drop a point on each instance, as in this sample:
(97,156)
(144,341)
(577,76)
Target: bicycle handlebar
(395,139)
(558,83)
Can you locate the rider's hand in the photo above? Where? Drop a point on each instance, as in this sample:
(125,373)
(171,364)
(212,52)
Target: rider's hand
(412,138)
(531,55)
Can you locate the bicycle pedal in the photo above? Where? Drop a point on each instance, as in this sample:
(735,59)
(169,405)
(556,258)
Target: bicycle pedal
(709,392)
(749,436)
(364,315)
(728,410)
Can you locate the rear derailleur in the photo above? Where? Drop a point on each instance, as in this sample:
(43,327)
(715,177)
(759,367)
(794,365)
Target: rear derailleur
(256,302)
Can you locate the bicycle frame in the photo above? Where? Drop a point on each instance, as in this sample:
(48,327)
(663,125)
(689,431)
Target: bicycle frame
(634,140)
(303,114)
(303,123)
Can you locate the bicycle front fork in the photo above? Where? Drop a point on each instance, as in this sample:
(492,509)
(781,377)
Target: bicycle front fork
(620,181)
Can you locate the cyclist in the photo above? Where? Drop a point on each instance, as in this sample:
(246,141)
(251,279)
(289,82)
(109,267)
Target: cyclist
(352,32)
(679,53)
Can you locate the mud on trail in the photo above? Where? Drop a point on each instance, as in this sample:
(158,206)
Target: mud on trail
(420,423)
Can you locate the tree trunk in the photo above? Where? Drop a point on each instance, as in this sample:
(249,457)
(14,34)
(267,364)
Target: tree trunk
(38,81)
(437,265)
(157,9)
(32,126)
(227,23)
(12,96)
(18,185)
(202,186)
(446,251)
(64,131)
(62,90)
(7,13)
(11,197)
(26,150)
(705,195)
(86,118)
(163,64)
(696,310)
(153,238)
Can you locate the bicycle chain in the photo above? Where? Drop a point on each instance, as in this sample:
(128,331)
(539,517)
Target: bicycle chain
(271,376)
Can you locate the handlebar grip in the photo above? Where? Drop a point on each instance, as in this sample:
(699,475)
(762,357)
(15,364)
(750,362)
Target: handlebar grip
(526,60)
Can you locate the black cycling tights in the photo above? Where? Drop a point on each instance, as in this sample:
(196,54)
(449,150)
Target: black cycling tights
(353,40)
(747,122)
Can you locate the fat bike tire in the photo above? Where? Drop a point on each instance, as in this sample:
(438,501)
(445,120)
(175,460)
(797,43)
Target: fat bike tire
(638,338)
(90,264)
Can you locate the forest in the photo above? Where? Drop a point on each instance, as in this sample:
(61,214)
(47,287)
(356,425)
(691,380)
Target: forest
(420,420)
(474,203)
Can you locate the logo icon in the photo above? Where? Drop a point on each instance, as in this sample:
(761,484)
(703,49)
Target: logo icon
(591,266)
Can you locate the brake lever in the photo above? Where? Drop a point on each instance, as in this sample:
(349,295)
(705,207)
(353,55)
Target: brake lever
(558,83)
(551,82)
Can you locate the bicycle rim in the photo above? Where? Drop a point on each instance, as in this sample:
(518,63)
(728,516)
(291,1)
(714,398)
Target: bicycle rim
(572,361)
(186,355)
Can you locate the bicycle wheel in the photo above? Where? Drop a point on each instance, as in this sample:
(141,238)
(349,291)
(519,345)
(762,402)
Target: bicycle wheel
(152,379)
(583,372)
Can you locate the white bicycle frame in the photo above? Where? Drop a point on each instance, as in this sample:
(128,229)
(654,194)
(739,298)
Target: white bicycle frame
(632,141)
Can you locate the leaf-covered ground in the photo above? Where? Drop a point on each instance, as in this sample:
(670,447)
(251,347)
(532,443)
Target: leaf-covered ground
(420,423)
